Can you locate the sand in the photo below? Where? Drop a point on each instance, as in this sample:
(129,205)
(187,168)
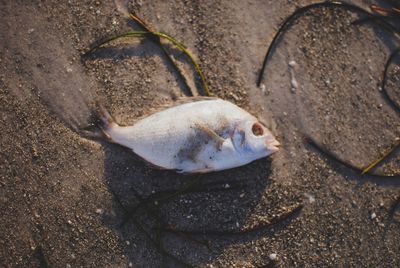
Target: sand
(67,201)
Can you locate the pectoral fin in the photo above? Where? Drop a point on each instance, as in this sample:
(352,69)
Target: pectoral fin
(240,134)
(212,135)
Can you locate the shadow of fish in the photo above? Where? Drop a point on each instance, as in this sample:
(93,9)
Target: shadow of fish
(198,135)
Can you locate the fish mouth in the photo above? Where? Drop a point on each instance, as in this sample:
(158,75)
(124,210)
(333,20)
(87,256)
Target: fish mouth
(272,145)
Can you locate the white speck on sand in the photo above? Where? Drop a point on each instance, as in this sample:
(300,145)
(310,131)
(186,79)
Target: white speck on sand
(293,81)
(311,198)
(373,215)
(273,256)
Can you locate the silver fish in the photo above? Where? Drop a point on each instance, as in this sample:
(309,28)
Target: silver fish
(199,136)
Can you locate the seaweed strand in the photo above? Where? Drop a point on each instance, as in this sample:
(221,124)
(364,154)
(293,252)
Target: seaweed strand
(300,12)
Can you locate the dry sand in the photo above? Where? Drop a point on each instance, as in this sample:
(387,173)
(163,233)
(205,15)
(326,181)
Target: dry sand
(63,197)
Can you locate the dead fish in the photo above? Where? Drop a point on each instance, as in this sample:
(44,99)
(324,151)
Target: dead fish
(197,136)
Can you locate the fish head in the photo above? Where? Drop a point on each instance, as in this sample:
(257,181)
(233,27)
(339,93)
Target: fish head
(253,140)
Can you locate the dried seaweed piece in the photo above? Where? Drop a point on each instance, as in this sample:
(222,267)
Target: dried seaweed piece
(392,103)
(385,155)
(377,19)
(181,47)
(156,38)
(300,12)
(334,157)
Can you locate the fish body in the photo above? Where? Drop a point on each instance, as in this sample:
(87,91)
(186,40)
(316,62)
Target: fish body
(198,136)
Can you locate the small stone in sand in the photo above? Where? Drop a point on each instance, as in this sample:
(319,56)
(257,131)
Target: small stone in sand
(273,256)
(373,215)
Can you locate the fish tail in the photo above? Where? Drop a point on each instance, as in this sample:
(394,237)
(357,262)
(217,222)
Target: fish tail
(100,124)
(106,120)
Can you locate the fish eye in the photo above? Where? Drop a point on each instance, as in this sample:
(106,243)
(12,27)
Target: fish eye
(257,129)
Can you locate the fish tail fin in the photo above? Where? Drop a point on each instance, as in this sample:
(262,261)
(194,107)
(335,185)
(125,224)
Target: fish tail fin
(100,124)
(106,120)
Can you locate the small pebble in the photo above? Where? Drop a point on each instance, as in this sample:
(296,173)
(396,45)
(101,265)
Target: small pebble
(373,215)
(273,256)
(311,199)
(262,87)
(294,84)
(234,96)
(327,82)
(99,211)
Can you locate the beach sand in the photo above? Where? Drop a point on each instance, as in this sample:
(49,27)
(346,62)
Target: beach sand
(67,201)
